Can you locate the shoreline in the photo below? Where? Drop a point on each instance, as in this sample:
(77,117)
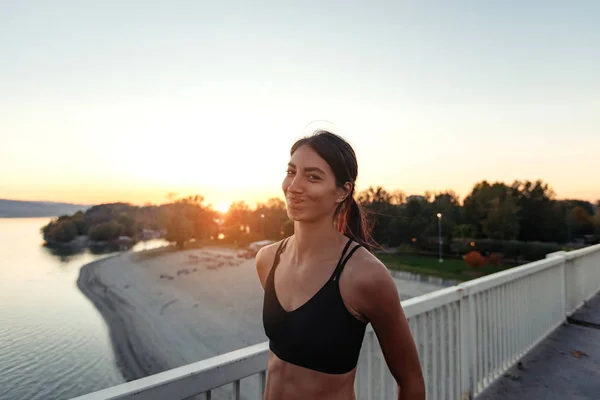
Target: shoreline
(176,308)
(120,330)
(181,307)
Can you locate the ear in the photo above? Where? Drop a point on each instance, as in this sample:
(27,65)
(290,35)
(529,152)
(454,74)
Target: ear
(344,192)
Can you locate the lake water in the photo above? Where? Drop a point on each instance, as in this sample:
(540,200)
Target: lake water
(53,342)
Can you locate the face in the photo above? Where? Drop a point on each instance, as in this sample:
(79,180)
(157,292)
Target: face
(310,188)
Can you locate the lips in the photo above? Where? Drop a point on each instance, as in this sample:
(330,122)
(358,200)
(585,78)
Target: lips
(294,200)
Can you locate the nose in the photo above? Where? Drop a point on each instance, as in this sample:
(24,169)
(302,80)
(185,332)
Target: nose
(296,186)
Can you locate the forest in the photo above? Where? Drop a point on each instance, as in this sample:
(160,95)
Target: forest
(522,220)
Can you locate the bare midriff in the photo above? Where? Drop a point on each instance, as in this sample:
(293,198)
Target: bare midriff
(290,382)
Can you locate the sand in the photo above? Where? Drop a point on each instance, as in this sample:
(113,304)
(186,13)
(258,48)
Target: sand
(182,307)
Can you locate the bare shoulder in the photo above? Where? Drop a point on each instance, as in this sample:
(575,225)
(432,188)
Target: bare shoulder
(374,296)
(370,283)
(264,260)
(366,271)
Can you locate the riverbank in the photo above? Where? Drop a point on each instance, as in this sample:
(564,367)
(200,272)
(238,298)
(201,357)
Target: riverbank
(174,309)
(180,307)
(122,330)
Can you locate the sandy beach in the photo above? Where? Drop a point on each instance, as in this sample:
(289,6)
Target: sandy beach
(182,307)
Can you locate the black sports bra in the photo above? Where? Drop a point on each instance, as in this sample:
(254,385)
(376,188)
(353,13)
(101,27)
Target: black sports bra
(321,334)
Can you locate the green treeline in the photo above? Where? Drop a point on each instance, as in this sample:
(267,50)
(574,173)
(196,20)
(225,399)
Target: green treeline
(523,219)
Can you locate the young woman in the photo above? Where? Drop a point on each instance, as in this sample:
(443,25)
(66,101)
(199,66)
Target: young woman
(323,285)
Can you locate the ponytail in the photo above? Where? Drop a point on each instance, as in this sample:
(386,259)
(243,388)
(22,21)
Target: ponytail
(353,222)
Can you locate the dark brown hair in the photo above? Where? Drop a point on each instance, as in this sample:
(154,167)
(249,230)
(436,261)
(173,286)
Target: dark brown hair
(350,218)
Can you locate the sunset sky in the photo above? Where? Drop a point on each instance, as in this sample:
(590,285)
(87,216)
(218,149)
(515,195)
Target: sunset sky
(130,100)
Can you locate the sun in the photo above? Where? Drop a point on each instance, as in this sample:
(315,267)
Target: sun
(222,206)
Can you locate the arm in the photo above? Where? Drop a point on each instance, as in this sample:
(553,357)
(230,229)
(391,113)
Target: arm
(381,306)
(261,265)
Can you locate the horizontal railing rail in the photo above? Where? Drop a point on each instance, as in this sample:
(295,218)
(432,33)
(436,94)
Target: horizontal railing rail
(467,336)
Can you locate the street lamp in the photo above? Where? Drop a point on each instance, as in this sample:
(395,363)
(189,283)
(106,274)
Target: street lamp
(439,215)
(262,219)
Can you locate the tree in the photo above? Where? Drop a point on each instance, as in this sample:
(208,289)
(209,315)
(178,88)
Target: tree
(586,205)
(179,228)
(397,198)
(106,231)
(60,231)
(500,222)
(535,201)
(524,210)
(493,211)
(128,224)
(79,220)
(418,215)
(463,231)
(596,219)
(384,207)
(236,223)
(269,220)
(200,218)
(448,204)
(376,195)
(555,222)
(580,222)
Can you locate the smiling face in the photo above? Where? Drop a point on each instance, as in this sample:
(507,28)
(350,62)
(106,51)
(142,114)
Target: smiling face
(310,187)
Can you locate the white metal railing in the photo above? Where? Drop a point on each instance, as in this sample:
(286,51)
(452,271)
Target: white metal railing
(582,274)
(467,336)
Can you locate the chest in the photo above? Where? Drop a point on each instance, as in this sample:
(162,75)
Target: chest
(295,287)
(318,324)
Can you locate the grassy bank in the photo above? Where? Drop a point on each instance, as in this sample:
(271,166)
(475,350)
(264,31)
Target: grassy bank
(426,265)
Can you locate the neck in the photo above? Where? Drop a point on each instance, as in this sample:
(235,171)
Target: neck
(315,238)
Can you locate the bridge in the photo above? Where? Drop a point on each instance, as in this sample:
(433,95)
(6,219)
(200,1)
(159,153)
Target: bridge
(476,340)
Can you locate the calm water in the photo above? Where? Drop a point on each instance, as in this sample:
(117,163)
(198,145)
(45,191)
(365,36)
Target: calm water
(53,342)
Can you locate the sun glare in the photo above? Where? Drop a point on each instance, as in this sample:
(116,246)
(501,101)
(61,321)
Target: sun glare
(222,206)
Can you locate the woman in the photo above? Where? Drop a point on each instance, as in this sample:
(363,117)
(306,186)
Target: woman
(323,285)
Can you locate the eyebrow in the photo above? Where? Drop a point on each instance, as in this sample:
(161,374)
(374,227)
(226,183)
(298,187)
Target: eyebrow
(308,169)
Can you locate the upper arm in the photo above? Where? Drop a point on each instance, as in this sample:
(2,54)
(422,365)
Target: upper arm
(380,304)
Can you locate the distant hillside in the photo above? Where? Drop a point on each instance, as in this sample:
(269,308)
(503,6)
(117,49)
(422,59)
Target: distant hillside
(30,209)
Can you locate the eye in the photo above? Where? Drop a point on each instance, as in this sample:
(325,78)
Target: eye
(289,172)
(314,177)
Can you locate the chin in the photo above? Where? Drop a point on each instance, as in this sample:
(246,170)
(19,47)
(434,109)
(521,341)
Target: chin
(295,215)
(303,215)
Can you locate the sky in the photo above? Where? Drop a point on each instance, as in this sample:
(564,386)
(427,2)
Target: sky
(132,100)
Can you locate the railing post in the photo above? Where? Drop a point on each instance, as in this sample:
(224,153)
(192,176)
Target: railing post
(563,278)
(563,286)
(262,380)
(466,330)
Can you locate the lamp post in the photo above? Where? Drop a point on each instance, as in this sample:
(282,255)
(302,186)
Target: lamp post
(262,219)
(439,216)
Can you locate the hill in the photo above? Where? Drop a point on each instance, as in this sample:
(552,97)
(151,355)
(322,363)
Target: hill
(30,209)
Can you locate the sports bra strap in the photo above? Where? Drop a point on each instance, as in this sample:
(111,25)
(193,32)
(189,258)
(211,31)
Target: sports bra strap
(338,269)
(343,261)
(348,243)
(278,253)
